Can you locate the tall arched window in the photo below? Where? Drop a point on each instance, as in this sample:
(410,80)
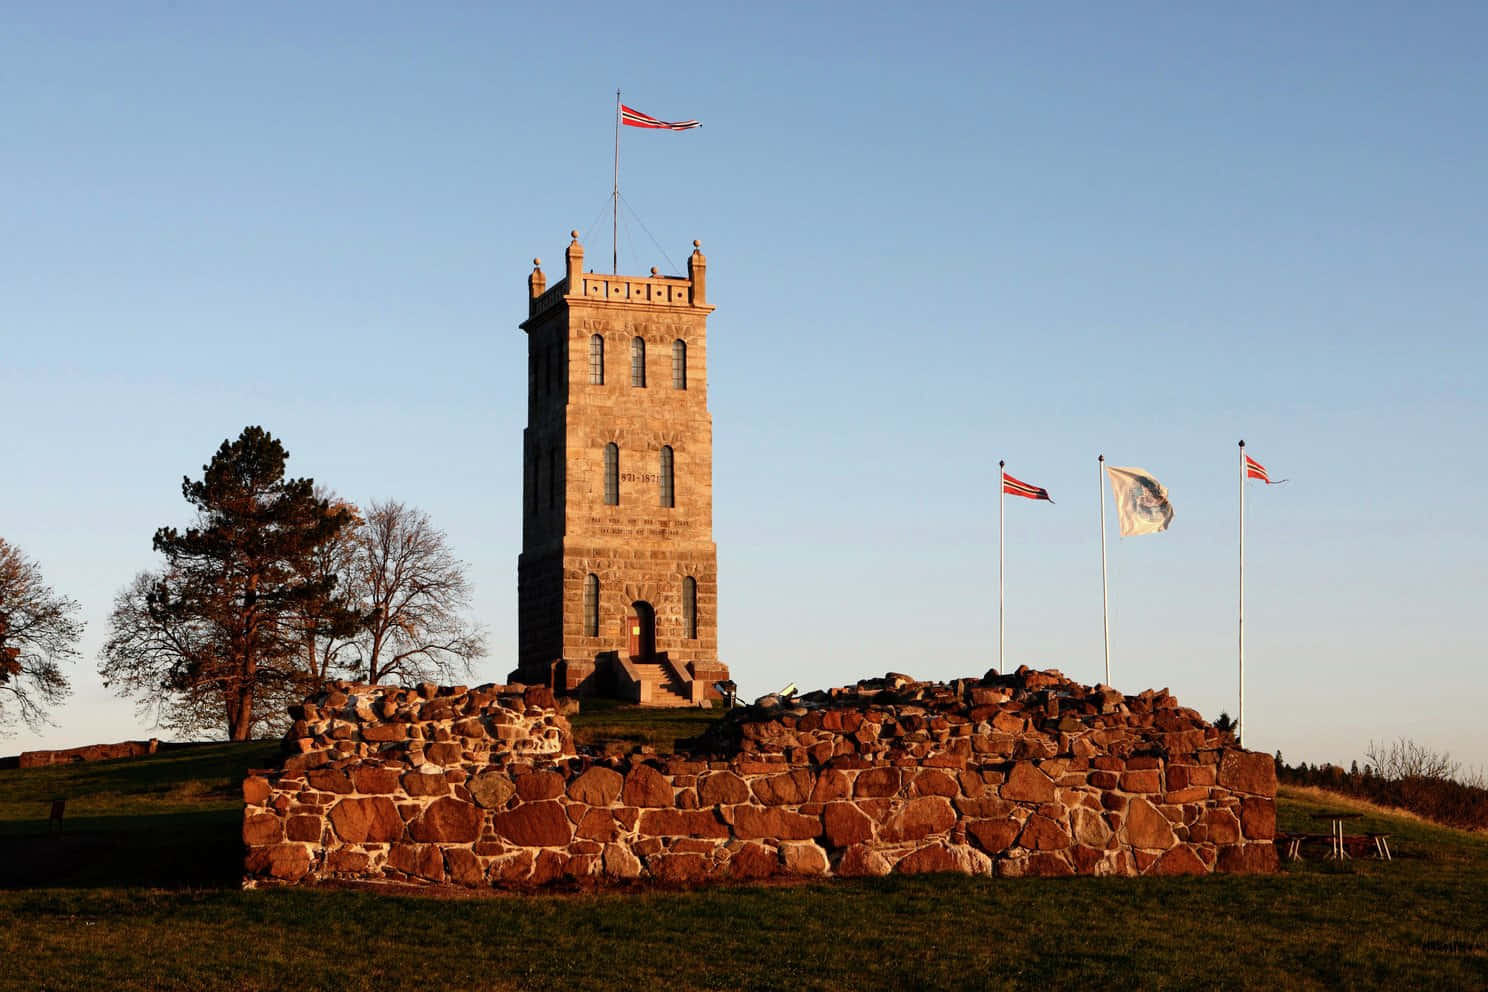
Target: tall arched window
(689,607)
(591,606)
(612,474)
(596,360)
(679,364)
(664,474)
(638,362)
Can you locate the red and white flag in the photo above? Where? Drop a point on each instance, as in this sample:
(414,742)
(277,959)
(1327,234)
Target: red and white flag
(1255,470)
(1016,487)
(634,118)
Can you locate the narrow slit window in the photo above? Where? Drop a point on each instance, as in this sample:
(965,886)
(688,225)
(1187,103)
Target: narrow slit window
(596,360)
(664,475)
(612,474)
(536,476)
(555,466)
(591,606)
(638,362)
(679,364)
(689,607)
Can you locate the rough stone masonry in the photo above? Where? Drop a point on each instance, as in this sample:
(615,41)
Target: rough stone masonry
(1027,774)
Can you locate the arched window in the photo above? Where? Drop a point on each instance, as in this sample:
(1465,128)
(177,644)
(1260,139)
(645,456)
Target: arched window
(638,362)
(591,606)
(679,364)
(612,474)
(596,360)
(689,607)
(664,474)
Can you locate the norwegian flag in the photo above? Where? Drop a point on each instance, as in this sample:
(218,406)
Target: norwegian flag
(1015,487)
(634,118)
(1255,470)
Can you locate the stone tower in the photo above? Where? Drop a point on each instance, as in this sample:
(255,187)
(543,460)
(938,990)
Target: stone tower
(617,582)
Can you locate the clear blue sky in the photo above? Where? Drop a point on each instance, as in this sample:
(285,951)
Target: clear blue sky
(937,236)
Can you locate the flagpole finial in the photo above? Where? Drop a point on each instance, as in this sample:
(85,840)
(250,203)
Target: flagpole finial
(1100,458)
(1242,442)
(1001,463)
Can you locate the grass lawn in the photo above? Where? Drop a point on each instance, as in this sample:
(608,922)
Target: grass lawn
(140,892)
(623,727)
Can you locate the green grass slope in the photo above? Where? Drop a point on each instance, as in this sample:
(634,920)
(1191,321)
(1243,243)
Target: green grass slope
(140,892)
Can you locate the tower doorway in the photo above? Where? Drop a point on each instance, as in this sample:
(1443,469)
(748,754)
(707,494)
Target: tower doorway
(642,627)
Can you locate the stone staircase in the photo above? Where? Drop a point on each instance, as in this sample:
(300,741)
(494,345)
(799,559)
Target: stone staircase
(660,686)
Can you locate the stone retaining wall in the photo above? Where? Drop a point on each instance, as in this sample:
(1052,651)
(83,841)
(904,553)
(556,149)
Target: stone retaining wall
(1025,774)
(89,752)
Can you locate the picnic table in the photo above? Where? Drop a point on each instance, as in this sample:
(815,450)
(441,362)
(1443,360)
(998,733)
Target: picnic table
(1338,843)
(1336,818)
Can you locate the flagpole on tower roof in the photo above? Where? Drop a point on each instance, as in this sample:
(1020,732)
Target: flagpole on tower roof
(615,197)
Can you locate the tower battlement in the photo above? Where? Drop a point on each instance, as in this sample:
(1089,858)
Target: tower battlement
(654,290)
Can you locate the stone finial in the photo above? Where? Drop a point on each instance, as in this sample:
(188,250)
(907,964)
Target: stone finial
(575,260)
(653,272)
(537,283)
(697,272)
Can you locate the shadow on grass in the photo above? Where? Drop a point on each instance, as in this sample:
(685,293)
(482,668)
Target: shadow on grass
(171,850)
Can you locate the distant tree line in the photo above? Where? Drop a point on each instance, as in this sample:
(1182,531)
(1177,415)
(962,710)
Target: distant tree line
(275,588)
(1406,775)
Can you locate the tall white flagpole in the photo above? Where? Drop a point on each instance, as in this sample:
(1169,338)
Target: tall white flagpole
(1001,563)
(615,197)
(1240,720)
(1100,479)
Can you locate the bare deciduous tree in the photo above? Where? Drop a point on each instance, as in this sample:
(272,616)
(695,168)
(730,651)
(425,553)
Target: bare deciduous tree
(413,593)
(330,622)
(38,630)
(1405,759)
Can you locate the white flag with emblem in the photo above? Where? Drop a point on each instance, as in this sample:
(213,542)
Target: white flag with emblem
(1141,501)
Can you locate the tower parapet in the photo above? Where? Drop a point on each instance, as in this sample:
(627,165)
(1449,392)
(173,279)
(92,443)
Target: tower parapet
(653,290)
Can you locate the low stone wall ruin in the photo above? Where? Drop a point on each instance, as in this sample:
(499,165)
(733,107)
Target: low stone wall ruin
(1024,774)
(89,752)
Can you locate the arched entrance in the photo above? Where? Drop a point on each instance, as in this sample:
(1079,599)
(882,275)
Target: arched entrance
(641,625)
